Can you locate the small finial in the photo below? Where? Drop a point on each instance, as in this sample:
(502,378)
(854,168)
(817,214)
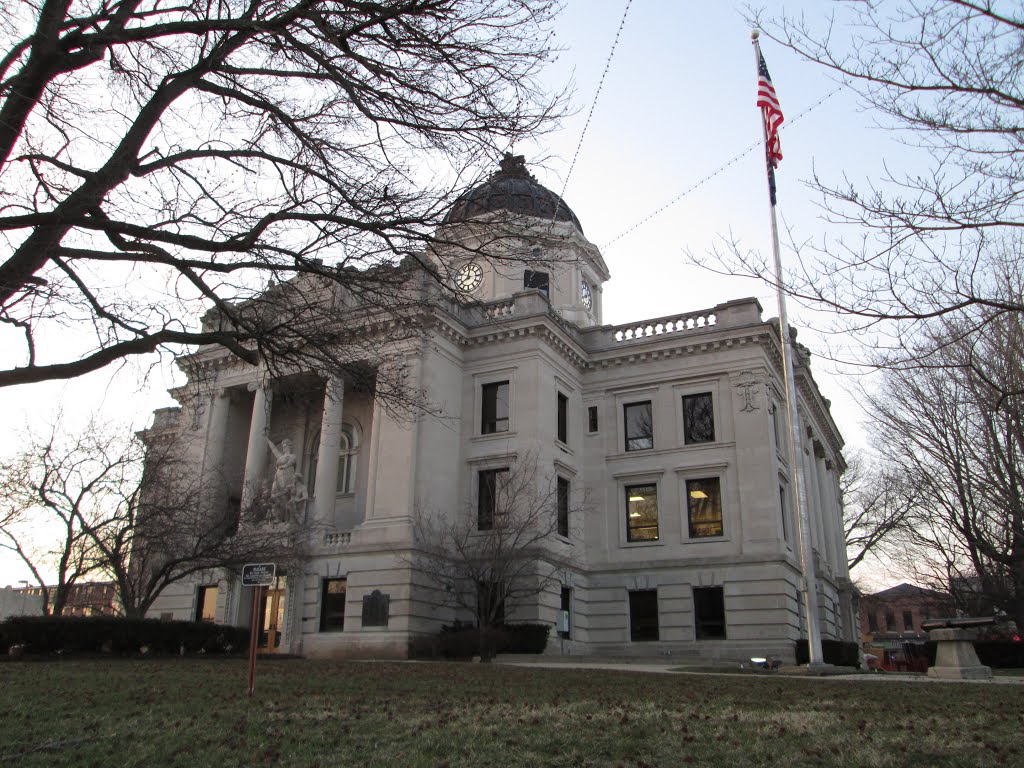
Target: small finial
(754,34)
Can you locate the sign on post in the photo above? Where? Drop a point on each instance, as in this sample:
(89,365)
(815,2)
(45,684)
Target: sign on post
(257,575)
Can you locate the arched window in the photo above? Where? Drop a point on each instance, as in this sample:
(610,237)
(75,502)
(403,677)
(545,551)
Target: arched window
(348,451)
(347,454)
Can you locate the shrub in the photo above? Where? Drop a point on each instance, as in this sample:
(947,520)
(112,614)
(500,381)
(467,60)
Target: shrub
(112,634)
(526,638)
(836,652)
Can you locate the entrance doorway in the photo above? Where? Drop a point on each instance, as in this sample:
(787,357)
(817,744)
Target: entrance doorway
(271,618)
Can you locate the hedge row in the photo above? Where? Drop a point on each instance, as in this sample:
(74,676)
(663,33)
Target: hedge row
(998,654)
(463,641)
(116,635)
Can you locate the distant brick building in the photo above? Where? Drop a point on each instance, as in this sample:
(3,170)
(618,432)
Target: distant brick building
(892,618)
(93,598)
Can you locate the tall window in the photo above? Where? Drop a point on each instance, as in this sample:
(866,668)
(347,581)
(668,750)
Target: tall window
(206,603)
(643,615)
(563,418)
(563,507)
(890,621)
(538,280)
(704,507)
(908,621)
(872,622)
(592,419)
(782,510)
(347,454)
(494,409)
(639,426)
(490,483)
(332,605)
(709,612)
(642,512)
(698,418)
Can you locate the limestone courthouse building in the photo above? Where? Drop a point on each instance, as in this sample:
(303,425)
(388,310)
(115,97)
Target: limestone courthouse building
(675,529)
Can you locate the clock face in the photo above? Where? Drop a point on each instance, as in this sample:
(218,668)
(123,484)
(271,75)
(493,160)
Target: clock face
(585,294)
(469,277)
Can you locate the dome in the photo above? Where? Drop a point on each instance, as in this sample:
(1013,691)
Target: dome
(512,189)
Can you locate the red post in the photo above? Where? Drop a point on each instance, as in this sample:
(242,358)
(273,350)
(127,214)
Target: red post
(254,637)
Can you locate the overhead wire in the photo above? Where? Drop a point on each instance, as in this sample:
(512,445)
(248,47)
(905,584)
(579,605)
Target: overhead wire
(732,161)
(597,94)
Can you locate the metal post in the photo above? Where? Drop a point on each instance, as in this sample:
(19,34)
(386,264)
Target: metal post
(808,581)
(253,637)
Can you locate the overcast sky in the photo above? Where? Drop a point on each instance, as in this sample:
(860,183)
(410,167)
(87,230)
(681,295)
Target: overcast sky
(676,105)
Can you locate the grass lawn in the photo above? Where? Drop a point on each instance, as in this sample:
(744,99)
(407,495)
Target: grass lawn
(194,713)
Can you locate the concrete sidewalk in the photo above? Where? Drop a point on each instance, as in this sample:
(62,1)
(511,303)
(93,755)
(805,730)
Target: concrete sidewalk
(648,666)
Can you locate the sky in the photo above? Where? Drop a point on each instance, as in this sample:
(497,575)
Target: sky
(676,105)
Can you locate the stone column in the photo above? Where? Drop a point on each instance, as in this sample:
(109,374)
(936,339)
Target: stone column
(216,433)
(828,512)
(326,486)
(256,451)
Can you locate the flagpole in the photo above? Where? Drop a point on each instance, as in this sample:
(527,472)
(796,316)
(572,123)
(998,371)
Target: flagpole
(808,580)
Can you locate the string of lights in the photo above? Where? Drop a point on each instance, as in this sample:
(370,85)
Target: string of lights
(732,161)
(593,104)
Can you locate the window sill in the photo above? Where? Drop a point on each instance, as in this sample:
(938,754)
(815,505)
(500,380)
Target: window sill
(492,436)
(646,543)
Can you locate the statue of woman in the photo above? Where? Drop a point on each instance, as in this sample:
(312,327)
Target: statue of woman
(284,475)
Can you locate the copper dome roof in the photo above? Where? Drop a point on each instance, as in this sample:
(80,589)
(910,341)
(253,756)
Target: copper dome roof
(512,189)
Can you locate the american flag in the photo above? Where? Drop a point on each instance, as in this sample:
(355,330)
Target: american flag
(768,101)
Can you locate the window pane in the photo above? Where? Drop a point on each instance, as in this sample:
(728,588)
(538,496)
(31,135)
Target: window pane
(698,418)
(494,417)
(563,418)
(643,615)
(206,604)
(908,621)
(592,418)
(709,612)
(639,426)
(563,507)
(332,609)
(641,513)
(534,279)
(704,507)
(565,604)
(489,484)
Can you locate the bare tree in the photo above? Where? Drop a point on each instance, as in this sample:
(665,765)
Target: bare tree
(947,75)
(134,513)
(956,433)
(876,501)
(158,161)
(502,552)
(45,493)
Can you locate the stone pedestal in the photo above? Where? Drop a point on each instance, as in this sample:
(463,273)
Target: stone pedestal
(955,657)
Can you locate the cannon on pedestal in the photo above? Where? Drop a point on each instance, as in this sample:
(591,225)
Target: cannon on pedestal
(955,657)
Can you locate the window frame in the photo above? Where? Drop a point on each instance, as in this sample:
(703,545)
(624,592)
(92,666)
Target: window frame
(544,285)
(327,618)
(563,493)
(565,604)
(492,427)
(562,417)
(628,438)
(492,489)
(593,420)
(687,425)
(641,632)
(634,489)
(690,522)
(202,593)
(706,628)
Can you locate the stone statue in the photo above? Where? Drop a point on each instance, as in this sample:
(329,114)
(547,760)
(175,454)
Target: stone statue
(284,475)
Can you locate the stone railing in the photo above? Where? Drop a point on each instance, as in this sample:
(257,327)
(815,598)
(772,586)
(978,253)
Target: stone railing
(337,539)
(729,315)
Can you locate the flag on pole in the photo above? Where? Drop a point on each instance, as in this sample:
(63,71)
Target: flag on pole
(768,101)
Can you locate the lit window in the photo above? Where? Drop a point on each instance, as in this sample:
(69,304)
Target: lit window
(639,426)
(332,608)
(643,615)
(698,419)
(490,484)
(642,512)
(563,418)
(494,410)
(704,507)
(563,507)
(709,612)
(206,603)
